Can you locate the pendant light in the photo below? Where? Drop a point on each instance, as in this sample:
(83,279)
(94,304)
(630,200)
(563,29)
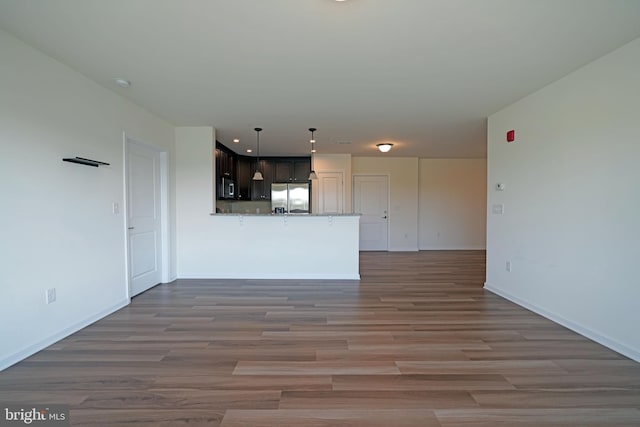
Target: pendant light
(258,175)
(313,174)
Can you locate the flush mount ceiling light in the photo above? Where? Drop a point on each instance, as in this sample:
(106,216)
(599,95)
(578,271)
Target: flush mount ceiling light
(258,175)
(236,140)
(384,147)
(122,82)
(313,174)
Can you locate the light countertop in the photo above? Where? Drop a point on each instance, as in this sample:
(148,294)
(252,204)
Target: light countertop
(282,215)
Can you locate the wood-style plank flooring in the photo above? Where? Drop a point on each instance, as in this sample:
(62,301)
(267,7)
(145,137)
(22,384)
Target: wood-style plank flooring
(416,342)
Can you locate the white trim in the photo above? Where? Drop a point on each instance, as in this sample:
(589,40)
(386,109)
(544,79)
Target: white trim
(403,249)
(164,219)
(448,248)
(41,345)
(125,212)
(270,276)
(582,330)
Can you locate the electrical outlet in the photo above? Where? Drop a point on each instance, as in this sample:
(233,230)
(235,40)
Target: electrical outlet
(508,266)
(51,295)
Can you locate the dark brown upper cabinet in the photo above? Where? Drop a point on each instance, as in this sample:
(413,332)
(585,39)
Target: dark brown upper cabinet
(240,170)
(292,169)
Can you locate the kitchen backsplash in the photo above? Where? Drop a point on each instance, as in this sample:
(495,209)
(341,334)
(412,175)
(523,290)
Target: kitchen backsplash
(232,206)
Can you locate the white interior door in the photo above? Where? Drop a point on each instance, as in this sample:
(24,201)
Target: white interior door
(330,192)
(371,201)
(143,217)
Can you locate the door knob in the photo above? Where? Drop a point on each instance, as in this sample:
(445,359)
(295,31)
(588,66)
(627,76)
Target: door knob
(384,217)
(130,228)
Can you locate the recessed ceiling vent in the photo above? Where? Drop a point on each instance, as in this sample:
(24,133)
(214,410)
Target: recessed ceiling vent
(343,142)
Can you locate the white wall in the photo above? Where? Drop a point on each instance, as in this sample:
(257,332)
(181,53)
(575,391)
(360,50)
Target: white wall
(453,198)
(195,195)
(403,203)
(572,201)
(56,223)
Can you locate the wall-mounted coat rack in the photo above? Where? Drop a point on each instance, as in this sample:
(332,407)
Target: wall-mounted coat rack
(83,161)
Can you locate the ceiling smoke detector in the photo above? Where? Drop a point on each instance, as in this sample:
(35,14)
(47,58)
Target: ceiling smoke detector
(122,82)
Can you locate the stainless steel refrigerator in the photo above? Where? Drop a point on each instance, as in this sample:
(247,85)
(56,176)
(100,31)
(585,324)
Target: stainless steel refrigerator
(290,198)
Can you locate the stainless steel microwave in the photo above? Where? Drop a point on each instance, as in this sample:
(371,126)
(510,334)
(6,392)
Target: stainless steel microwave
(228,188)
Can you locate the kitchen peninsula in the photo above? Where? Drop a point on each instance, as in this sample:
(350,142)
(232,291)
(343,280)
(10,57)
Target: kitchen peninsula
(254,243)
(252,246)
(244,245)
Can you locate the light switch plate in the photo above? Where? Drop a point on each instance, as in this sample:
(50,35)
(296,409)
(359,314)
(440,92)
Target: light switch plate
(50,296)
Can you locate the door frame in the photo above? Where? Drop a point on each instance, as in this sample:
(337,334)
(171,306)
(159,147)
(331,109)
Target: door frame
(165,257)
(353,199)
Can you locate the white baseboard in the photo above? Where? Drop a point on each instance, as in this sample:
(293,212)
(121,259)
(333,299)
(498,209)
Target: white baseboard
(404,249)
(42,344)
(582,330)
(453,248)
(271,276)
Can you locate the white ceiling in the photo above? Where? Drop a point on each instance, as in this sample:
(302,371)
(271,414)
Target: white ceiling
(423,74)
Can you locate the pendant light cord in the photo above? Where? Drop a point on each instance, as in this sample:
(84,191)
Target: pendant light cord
(257,176)
(258,130)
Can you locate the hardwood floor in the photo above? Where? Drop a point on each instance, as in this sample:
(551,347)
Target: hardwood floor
(417,342)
